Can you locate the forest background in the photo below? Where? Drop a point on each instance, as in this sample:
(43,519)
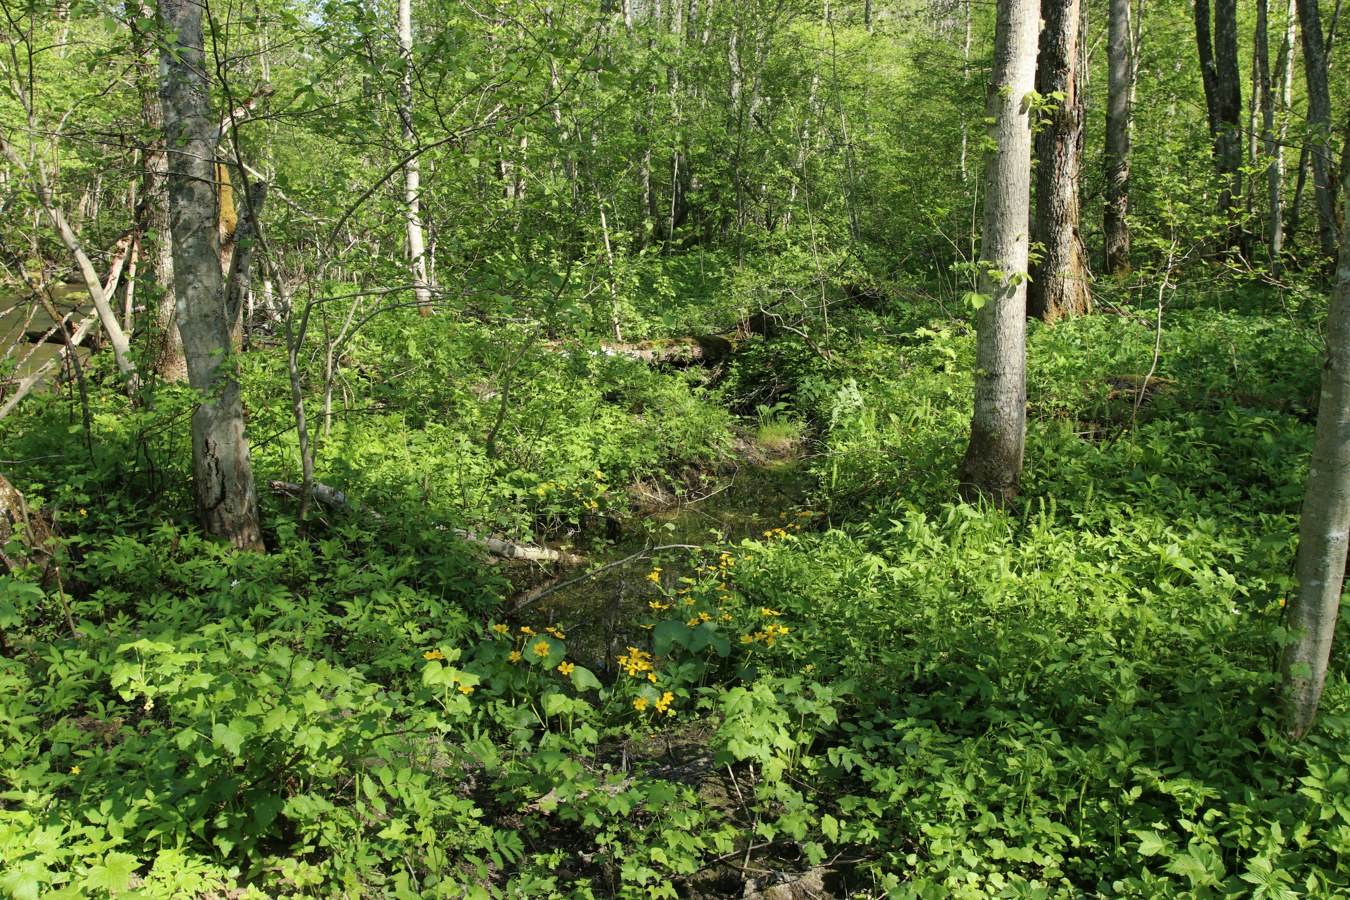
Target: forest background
(521,452)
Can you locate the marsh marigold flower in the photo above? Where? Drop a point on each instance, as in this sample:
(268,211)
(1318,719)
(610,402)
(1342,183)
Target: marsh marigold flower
(513,656)
(466,689)
(566,668)
(542,649)
(433,654)
(500,628)
(640,704)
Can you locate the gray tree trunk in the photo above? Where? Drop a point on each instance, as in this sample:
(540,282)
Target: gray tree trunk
(412,170)
(1223,94)
(1325,520)
(1059,281)
(222,471)
(1319,125)
(993,460)
(166,344)
(1119,123)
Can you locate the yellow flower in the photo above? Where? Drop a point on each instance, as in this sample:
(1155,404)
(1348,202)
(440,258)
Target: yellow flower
(84,512)
(640,704)
(765,611)
(433,654)
(566,668)
(525,629)
(745,639)
(655,575)
(513,656)
(74,770)
(651,676)
(500,628)
(664,703)
(658,605)
(635,662)
(553,630)
(542,648)
(466,689)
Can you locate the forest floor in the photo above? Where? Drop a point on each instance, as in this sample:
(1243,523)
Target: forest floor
(837,679)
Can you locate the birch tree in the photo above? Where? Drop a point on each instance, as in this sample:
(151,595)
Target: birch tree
(221,466)
(993,461)
(1325,519)
(412,171)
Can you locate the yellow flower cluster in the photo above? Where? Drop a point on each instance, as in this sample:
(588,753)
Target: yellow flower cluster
(663,704)
(654,576)
(769,635)
(635,662)
(699,619)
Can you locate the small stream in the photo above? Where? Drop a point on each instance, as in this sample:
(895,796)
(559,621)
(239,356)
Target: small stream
(601,615)
(21,315)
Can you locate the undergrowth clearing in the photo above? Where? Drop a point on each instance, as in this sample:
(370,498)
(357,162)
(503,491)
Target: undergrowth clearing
(883,690)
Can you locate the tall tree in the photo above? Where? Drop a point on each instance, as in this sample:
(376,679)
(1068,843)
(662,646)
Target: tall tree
(1059,280)
(1120,71)
(222,469)
(1325,519)
(1319,124)
(1223,93)
(412,169)
(993,460)
(153,215)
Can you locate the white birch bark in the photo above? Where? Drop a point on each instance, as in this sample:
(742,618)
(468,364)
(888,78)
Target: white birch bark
(412,171)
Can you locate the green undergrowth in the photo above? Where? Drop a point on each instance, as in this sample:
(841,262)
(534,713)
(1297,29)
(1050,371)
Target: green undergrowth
(1069,697)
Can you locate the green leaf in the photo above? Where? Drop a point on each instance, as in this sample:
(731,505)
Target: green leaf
(114,874)
(1151,843)
(231,737)
(584,679)
(667,634)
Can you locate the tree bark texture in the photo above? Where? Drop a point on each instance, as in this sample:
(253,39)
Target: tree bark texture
(1059,281)
(1324,522)
(1319,125)
(1119,124)
(227,504)
(166,344)
(412,170)
(1218,53)
(993,460)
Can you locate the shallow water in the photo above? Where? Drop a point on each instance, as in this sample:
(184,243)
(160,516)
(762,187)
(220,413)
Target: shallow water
(21,314)
(601,615)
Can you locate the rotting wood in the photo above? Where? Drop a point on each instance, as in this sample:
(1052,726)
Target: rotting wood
(336,499)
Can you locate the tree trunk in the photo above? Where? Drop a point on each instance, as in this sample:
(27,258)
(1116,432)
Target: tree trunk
(1119,122)
(1223,94)
(166,344)
(412,170)
(1324,522)
(1059,281)
(993,460)
(227,505)
(1319,125)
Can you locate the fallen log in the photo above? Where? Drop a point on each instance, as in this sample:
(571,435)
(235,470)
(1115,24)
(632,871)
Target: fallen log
(336,499)
(706,350)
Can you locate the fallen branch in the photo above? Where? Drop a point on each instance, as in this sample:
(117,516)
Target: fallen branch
(540,593)
(335,499)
